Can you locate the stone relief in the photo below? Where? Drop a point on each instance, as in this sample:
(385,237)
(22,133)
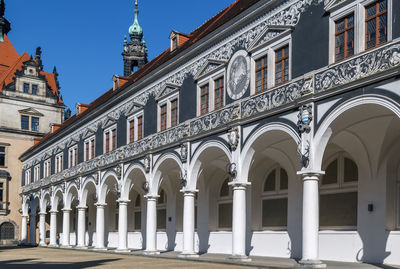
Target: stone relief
(238,75)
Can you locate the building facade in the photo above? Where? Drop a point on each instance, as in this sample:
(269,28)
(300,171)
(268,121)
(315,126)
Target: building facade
(29,103)
(270,130)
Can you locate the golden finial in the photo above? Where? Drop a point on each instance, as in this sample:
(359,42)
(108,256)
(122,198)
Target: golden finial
(136,3)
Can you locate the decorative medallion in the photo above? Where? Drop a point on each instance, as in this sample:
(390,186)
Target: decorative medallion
(184,152)
(233,138)
(146,163)
(238,74)
(304,118)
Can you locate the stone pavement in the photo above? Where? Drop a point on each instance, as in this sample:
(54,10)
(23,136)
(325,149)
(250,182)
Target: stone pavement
(24,257)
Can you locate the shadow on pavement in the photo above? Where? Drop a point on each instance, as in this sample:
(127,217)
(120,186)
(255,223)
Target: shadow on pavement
(32,263)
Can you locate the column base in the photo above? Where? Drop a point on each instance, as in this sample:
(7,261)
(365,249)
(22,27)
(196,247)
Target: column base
(100,249)
(241,258)
(122,250)
(69,246)
(81,247)
(151,252)
(53,246)
(310,264)
(187,255)
(42,244)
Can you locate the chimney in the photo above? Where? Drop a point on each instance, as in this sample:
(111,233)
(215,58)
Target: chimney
(115,80)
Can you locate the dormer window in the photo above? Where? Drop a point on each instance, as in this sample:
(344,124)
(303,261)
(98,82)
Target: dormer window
(26,88)
(174,43)
(35,89)
(177,39)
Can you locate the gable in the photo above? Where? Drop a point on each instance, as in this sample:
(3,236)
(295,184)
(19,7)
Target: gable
(269,34)
(133,107)
(330,4)
(31,111)
(169,88)
(210,66)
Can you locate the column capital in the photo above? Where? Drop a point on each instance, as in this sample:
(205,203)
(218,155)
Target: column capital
(236,185)
(53,211)
(81,207)
(66,210)
(123,202)
(310,175)
(189,192)
(42,213)
(100,205)
(150,197)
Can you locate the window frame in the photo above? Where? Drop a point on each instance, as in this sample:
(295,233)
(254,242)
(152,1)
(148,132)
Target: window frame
(31,123)
(47,168)
(210,81)
(345,32)
(24,84)
(5,145)
(264,87)
(220,79)
(59,163)
(375,17)
(36,87)
(73,156)
(90,152)
(109,131)
(28,178)
(36,173)
(282,61)
(137,131)
(167,102)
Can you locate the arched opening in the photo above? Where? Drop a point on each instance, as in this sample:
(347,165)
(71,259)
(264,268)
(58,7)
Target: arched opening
(225,207)
(89,199)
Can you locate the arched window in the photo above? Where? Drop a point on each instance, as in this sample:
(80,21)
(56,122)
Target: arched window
(137,212)
(275,199)
(7,231)
(225,207)
(338,198)
(162,211)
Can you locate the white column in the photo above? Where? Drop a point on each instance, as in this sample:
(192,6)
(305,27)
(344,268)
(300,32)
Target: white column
(239,221)
(32,228)
(53,228)
(123,227)
(66,224)
(188,224)
(310,221)
(24,229)
(100,226)
(151,226)
(42,229)
(81,226)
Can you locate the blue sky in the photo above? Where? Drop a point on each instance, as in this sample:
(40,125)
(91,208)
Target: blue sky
(84,38)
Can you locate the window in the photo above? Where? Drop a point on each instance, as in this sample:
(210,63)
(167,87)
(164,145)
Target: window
(225,207)
(25,122)
(140,127)
(35,89)
(218,93)
(7,231)
(132,131)
(28,177)
(338,198)
(110,139)
(137,212)
(204,102)
(162,211)
(89,149)
(168,111)
(36,174)
(344,37)
(2,156)
(174,112)
(26,88)
(261,74)
(47,167)
(275,199)
(73,156)
(376,24)
(59,163)
(1,192)
(163,117)
(35,124)
(282,65)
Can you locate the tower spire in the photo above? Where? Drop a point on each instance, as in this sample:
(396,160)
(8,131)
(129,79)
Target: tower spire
(135,31)
(4,23)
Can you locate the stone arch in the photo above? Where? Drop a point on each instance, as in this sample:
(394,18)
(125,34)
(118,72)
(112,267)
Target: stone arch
(108,179)
(45,201)
(58,195)
(88,183)
(132,174)
(71,193)
(195,164)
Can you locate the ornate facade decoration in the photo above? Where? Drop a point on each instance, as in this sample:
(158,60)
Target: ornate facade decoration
(184,152)
(147,163)
(233,138)
(304,118)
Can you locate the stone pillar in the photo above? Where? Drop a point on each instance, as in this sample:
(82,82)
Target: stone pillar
(123,227)
(310,257)
(100,226)
(66,228)
(188,224)
(239,222)
(81,227)
(53,228)
(24,229)
(32,228)
(42,229)
(151,226)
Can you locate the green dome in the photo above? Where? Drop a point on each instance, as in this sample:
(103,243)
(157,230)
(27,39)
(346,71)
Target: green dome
(135,28)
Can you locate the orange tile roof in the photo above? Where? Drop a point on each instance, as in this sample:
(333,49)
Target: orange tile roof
(11,61)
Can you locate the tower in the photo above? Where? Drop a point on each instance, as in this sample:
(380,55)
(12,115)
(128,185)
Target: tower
(4,23)
(135,52)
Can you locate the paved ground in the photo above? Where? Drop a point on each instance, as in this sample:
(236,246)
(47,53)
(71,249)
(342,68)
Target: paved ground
(45,258)
(41,258)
